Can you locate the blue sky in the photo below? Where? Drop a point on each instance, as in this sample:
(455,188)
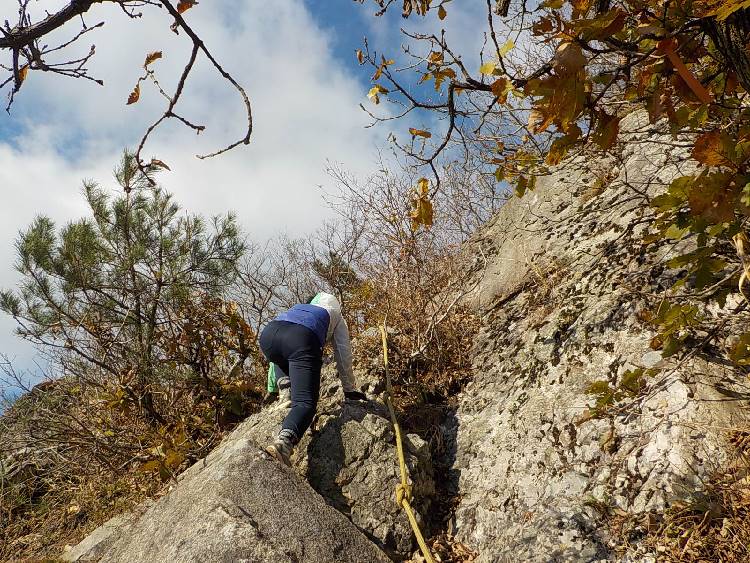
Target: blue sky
(295,58)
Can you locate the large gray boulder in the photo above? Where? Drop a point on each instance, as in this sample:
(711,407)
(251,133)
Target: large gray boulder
(235,505)
(562,279)
(349,457)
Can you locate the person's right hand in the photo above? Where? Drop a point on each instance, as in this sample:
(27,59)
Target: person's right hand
(355,396)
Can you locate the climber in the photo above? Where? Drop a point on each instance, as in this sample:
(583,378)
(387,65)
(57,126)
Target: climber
(294,342)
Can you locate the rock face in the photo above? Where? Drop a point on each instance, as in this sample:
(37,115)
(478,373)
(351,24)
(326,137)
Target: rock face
(239,505)
(349,458)
(560,293)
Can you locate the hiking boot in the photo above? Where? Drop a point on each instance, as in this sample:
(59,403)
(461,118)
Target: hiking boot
(285,394)
(281,449)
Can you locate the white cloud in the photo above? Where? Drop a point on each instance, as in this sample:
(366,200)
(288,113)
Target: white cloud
(304,104)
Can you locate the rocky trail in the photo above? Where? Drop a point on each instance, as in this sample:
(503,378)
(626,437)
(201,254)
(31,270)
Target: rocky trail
(560,279)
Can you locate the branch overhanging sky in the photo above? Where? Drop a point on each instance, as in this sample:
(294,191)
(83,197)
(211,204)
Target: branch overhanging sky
(296,61)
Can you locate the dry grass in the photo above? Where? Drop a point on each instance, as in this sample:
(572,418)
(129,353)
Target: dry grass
(43,514)
(447,549)
(71,460)
(712,526)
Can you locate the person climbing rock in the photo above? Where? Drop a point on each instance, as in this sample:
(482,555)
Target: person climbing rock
(293,342)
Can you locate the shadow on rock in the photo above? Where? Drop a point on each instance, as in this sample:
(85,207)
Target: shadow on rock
(352,463)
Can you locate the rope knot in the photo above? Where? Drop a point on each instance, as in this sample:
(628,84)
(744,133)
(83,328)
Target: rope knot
(403,493)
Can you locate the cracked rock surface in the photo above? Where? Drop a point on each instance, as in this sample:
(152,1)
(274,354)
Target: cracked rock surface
(561,278)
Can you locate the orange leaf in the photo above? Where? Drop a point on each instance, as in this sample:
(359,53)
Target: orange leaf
(712,197)
(667,47)
(22,72)
(184,5)
(500,89)
(360,57)
(714,148)
(608,126)
(441,12)
(569,58)
(419,133)
(135,94)
(151,57)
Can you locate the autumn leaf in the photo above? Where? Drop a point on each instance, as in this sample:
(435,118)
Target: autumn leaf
(667,47)
(135,94)
(151,57)
(536,121)
(569,58)
(441,75)
(422,212)
(436,58)
(156,163)
(525,184)
(184,5)
(487,68)
(150,466)
(542,26)
(714,148)
(562,145)
(419,133)
(374,91)
(22,72)
(608,126)
(712,197)
(500,89)
(601,27)
(730,7)
(441,12)
(505,48)
(360,56)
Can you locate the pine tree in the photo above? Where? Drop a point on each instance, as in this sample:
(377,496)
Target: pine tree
(98,293)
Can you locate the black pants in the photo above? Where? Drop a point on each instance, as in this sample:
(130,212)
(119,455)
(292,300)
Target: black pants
(296,351)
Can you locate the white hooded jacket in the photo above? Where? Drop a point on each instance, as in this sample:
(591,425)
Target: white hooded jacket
(338,336)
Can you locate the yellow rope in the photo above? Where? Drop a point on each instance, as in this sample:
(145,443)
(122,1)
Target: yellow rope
(403,489)
(742,244)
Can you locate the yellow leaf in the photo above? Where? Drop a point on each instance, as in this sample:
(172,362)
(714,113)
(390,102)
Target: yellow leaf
(151,57)
(436,57)
(730,7)
(135,94)
(505,48)
(421,213)
(149,466)
(387,62)
(360,57)
(441,12)
(374,91)
(487,68)
(22,72)
(184,5)
(420,133)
